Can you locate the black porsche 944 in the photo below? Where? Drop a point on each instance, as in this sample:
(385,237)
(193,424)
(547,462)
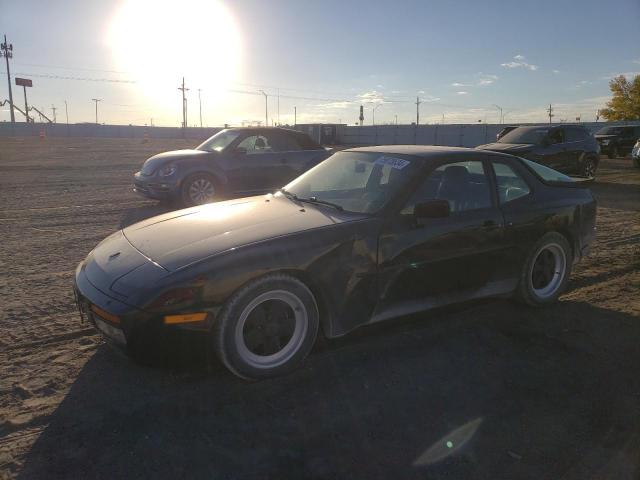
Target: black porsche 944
(368,234)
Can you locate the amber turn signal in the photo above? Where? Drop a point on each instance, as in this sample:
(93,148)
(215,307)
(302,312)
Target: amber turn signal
(188,318)
(110,317)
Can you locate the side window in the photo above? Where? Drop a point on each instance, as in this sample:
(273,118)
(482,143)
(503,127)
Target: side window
(557,136)
(283,143)
(255,144)
(463,184)
(575,135)
(510,184)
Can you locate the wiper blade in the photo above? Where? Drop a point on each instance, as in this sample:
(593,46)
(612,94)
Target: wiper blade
(316,200)
(321,202)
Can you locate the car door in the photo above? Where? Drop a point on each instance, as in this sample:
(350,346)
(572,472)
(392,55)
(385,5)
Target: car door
(555,154)
(254,166)
(574,147)
(442,260)
(291,157)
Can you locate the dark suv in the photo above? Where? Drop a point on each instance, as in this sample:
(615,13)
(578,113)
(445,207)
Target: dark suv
(617,141)
(567,148)
(234,162)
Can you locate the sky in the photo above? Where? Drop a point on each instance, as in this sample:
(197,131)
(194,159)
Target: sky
(465,60)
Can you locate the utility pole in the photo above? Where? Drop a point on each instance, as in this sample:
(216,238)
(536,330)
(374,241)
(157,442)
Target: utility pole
(278,107)
(396,120)
(6,50)
(266,108)
(96,100)
(418,102)
(200,104)
(295,116)
(53,108)
(66,112)
(550,112)
(184,104)
(499,108)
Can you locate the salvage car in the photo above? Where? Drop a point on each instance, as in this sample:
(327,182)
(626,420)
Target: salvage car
(617,141)
(235,162)
(635,154)
(367,235)
(569,149)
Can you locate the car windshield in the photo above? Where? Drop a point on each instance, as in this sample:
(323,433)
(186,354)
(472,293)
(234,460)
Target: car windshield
(219,141)
(547,174)
(610,131)
(360,182)
(525,135)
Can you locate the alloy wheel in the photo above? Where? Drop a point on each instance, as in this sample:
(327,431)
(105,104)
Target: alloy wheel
(201,190)
(271,329)
(548,270)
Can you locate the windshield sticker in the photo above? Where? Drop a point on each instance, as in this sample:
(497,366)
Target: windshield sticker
(397,163)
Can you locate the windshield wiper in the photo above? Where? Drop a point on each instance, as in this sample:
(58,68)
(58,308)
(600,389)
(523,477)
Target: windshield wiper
(316,200)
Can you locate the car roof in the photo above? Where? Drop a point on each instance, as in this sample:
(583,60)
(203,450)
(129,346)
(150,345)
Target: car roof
(265,129)
(424,151)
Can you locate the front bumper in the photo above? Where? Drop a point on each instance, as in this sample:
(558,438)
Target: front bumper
(155,188)
(134,326)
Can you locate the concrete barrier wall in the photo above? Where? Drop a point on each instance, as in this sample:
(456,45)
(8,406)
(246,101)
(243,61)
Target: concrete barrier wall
(21,129)
(462,135)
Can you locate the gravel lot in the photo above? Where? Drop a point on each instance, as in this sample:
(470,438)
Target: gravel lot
(487,390)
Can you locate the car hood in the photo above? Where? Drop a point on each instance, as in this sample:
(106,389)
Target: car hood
(157,161)
(507,147)
(181,238)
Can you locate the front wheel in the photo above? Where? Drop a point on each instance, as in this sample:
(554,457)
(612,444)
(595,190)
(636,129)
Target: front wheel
(267,328)
(546,272)
(198,189)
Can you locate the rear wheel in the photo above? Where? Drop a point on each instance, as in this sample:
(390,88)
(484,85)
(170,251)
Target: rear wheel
(546,272)
(589,167)
(267,328)
(198,189)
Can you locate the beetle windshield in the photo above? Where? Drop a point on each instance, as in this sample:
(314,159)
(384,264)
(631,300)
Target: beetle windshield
(361,182)
(219,141)
(533,135)
(610,131)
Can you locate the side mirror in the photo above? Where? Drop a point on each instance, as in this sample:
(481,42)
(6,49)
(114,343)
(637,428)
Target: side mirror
(432,209)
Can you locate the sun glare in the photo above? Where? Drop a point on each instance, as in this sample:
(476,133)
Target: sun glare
(159,41)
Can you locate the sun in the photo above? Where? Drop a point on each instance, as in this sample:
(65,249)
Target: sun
(159,41)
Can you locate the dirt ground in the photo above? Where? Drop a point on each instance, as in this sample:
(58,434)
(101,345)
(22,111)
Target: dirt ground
(489,390)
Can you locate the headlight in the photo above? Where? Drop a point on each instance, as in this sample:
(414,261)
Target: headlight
(605,142)
(168,170)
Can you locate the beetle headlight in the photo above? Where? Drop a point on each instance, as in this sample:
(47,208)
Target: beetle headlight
(167,171)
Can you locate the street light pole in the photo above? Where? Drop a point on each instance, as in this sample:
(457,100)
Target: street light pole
(66,111)
(373,116)
(499,108)
(200,105)
(266,108)
(96,100)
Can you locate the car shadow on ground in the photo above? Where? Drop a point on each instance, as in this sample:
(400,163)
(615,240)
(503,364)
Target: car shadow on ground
(616,195)
(138,214)
(494,390)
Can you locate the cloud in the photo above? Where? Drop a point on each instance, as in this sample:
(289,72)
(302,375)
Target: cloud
(555,71)
(372,96)
(519,63)
(636,61)
(462,93)
(485,79)
(457,84)
(344,104)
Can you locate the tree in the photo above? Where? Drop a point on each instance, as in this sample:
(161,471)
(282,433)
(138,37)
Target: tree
(625,104)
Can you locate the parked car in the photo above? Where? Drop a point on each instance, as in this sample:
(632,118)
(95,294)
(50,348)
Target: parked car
(570,149)
(635,154)
(234,162)
(617,141)
(504,131)
(368,234)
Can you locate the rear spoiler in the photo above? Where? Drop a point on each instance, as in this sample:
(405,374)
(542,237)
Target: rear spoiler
(578,182)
